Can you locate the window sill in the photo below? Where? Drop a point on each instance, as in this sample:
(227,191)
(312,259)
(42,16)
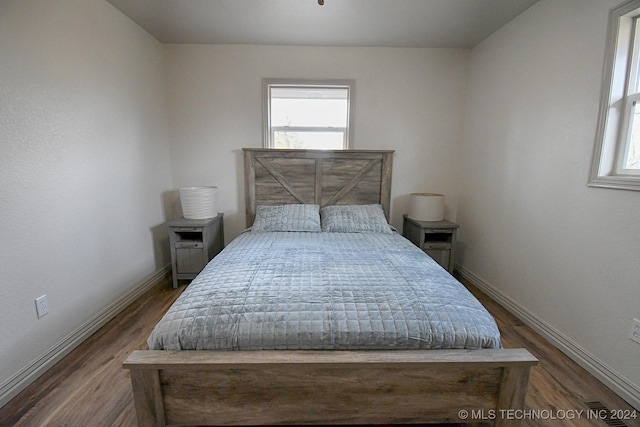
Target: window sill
(616,182)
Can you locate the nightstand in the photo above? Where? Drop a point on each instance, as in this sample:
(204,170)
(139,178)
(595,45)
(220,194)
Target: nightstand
(436,238)
(194,242)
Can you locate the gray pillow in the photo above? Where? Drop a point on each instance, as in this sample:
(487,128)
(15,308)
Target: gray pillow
(287,218)
(354,219)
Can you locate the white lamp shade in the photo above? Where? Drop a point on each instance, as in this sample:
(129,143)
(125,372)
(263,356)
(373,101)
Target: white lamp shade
(426,206)
(198,202)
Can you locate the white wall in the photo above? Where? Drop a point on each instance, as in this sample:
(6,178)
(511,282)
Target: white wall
(84,163)
(409,100)
(566,254)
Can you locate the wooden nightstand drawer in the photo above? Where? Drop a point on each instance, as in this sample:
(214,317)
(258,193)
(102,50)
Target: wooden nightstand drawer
(437,230)
(190,261)
(187,229)
(193,243)
(189,245)
(436,245)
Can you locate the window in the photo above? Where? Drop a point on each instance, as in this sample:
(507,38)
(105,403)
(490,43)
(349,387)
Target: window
(616,159)
(307,114)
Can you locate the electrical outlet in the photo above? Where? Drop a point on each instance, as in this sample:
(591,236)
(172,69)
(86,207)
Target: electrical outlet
(42,306)
(634,335)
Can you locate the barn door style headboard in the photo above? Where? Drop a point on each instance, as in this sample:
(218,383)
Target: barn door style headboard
(322,177)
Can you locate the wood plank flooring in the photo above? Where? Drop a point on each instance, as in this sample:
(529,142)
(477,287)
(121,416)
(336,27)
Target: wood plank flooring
(89,387)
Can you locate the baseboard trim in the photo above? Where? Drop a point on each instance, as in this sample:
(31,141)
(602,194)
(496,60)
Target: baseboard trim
(14,385)
(616,382)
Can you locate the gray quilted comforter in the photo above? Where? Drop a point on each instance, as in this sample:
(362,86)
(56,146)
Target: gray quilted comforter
(324,291)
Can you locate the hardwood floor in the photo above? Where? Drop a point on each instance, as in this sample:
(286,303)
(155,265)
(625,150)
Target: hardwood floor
(90,388)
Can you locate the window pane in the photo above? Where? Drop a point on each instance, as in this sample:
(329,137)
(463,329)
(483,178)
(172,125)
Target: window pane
(632,155)
(634,81)
(616,158)
(314,140)
(309,112)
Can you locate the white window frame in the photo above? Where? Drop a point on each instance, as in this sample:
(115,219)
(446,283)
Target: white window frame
(268,131)
(617,100)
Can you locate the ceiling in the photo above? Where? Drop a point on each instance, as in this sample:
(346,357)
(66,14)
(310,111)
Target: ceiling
(377,23)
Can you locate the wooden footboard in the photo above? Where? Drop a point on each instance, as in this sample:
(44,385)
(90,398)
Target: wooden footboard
(327,387)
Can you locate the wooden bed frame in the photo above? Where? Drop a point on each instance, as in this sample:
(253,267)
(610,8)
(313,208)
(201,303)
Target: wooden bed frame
(325,387)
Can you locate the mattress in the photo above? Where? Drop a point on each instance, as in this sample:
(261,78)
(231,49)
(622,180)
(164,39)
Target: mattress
(324,291)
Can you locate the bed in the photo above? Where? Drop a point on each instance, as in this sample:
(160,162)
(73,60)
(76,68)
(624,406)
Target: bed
(323,318)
